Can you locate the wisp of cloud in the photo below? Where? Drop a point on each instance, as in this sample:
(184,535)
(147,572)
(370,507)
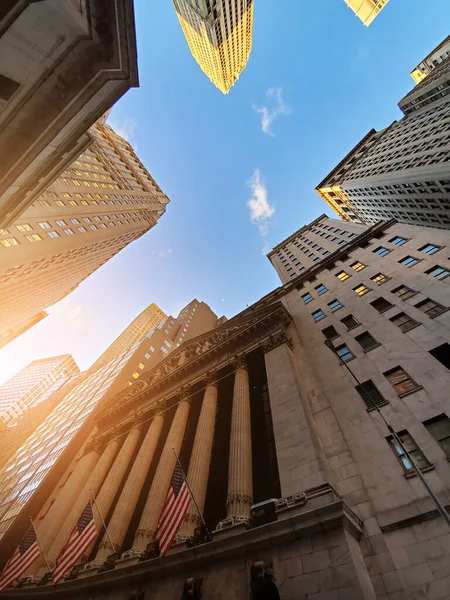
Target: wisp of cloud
(269,114)
(260,209)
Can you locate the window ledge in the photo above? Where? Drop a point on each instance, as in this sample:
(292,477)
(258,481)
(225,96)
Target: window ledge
(410,328)
(438,315)
(372,348)
(380,404)
(339,308)
(418,388)
(344,362)
(410,474)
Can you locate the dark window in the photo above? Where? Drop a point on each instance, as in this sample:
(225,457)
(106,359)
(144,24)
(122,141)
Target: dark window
(401,381)
(307,298)
(350,322)
(318,315)
(439,429)
(320,289)
(430,307)
(404,292)
(413,450)
(381,305)
(7,87)
(399,241)
(366,341)
(370,394)
(442,354)
(430,249)
(404,322)
(381,251)
(344,352)
(438,272)
(335,305)
(330,332)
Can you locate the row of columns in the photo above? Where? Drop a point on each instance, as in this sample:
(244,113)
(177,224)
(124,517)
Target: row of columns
(108,469)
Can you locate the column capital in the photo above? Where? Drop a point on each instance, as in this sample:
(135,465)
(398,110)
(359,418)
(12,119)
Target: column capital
(94,445)
(276,339)
(210,378)
(138,419)
(184,394)
(239,361)
(160,407)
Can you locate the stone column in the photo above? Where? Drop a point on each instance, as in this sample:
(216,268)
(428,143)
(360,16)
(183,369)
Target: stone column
(148,524)
(105,468)
(198,472)
(240,480)
(126,505)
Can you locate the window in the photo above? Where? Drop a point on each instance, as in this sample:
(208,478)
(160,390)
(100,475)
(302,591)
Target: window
(63,223)
(344,352)
(24,227)
(342,275)
(431,308)
(366,341)
(381,305)
(164,349)
(442,354)
(430,249)
(318,315)
(350,322)
(381,251)
(409,261)
(438,272)
(7,87)
(320,289)
(398,241)
(335,305)
(404,322)
(380,278)
(9,242)
(370,394)
(357,266)
(82,229)
(53,234)
(45,225)
(307,298)
(361,290)
(141,366)
(34,237)
(401,381)
(413,450)
(330,333)
(135,375)
(147,356)
(439,429)
(151,349)
(68,231)
(404,292)
(74,221)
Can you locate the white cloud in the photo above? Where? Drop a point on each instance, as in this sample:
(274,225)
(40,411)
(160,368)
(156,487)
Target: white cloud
(260,209)
(70,314)
(163,253)
(276,107)
(125,128)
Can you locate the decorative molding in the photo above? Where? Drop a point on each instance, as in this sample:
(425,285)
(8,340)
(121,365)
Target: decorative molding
(230,521)
(239,362)
(210,378)
(275,340)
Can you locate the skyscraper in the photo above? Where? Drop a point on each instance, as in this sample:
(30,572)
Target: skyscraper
(366,10)
(41,460)
(28,386)
(403,171)
(104,201)
(67,63)
(219,35)
(431,61)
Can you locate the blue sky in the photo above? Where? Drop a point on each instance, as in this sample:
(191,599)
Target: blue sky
(324,77)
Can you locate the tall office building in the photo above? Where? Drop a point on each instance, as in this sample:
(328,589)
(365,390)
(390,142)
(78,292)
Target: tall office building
(366,10)
(104,201)
(298,478)
(41,460)
(403,171)
(219,35)
(28,386)
(431,61)
(62,66)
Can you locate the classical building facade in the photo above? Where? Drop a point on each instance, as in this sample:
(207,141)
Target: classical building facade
(295,472)
(27,387)
(219,35)
(366,10)
(63,64)
(104,201)
(431,61)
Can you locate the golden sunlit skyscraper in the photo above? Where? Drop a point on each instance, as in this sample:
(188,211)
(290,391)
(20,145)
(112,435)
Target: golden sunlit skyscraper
(219,34)
(102,202)
(366,10)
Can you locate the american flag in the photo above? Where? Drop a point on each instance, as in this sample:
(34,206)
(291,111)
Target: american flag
(174,510)
(24,556)
(82,536)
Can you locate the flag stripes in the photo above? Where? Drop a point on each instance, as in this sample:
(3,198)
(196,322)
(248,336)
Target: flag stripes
(24,556)
(174,510)
(82,536)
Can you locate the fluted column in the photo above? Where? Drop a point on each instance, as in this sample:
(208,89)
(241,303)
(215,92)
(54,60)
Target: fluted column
(201,457)
(105,469)
(240,480)
(126,505)
(148,524)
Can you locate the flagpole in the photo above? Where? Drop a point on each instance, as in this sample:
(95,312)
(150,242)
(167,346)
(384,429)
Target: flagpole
(103,522)
(193,498)
(39,544)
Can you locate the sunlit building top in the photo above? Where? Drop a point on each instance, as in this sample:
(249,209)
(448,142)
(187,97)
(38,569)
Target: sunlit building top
(431,61)
(219,35)
(366,10)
